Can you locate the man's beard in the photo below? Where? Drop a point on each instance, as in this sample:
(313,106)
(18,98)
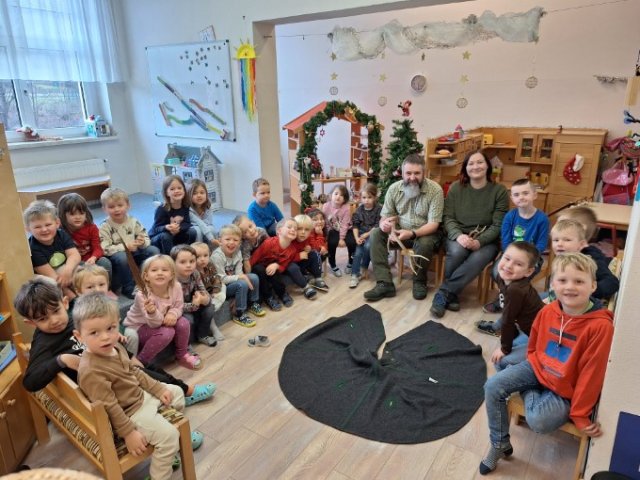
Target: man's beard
(411,189)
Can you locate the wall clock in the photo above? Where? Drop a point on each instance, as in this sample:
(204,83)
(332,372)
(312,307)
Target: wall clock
(419,83)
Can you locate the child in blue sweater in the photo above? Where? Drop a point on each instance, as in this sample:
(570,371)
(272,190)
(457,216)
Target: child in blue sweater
(262,211)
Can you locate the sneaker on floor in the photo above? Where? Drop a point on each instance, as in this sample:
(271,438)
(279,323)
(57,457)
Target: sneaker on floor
(439,304)
(310,292)
(287,301)
(492,307)
(274,304)
(347,269)
(257,310)
(243,320)
(419,289)
(487,327)
(355,280)
(190,361)
(336,271)
(208,340)
(319,283)
(453,302)
(380,291)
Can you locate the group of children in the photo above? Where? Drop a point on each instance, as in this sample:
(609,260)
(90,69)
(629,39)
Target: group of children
(187,272)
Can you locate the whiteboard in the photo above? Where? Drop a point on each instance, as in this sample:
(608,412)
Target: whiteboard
(191,90)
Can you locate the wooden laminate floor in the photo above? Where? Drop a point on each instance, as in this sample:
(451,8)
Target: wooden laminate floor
(252,432)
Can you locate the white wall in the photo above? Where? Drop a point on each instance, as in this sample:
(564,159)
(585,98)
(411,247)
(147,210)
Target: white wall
(574,45)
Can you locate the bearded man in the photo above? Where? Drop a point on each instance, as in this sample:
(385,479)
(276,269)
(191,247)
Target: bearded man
(412,213)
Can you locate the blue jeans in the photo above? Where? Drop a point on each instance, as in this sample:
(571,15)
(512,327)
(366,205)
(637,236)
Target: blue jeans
(362,257)
(165,241)
(462,265)
(240,291)
(544,410)
(122,276)
(518,352)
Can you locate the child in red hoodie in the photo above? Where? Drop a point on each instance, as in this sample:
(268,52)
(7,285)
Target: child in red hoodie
(271,259)
(566,362)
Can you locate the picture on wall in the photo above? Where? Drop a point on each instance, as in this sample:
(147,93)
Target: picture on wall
(191,90)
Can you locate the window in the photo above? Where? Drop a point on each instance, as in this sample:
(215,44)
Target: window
(41,104)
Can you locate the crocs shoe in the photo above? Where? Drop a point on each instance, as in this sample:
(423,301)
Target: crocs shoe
(257,310)
(487,327)
(196,440)
(244,320)
(259,341)
(190,361)
(320,284)
(310,292)
(200,393)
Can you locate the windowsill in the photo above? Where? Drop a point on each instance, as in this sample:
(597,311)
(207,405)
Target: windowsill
(55,143)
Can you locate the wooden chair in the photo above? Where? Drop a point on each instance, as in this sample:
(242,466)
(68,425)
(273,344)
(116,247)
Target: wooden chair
(86,424)
(515,407)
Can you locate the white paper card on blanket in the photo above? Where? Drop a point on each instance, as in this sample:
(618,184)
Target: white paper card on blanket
(191,90)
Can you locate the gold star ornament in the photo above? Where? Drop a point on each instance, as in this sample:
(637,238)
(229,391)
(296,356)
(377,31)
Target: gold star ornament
(464,78)
(333,56)
(383,77)
(466,55)
(334,76)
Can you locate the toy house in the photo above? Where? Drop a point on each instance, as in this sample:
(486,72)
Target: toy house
(190,162)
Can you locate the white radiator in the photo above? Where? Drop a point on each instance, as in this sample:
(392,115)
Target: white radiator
(60,172)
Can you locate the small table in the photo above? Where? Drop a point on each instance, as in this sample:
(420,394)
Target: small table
(611,214)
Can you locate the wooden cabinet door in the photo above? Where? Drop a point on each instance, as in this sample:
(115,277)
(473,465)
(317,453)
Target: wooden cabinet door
(7,456)
(19,421)
(544,149)
(563,153)
(527,144)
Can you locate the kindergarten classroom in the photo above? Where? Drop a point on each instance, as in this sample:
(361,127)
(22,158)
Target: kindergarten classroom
(309,95)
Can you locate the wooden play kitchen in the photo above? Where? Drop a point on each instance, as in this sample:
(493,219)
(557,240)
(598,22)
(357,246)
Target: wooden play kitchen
(542,154)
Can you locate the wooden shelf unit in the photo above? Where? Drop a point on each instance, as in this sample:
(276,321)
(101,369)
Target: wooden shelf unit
(540,153)
(443,172)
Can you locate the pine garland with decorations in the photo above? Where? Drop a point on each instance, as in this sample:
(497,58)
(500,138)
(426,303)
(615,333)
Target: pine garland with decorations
(307,160)
(405,143)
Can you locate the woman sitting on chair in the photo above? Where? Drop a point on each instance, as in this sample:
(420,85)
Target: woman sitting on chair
(473,213)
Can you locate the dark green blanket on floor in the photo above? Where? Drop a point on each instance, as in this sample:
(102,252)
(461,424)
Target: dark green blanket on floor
(426,385)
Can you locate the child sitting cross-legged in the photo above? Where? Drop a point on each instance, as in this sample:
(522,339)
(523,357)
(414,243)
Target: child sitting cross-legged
(519,302)
(200,213)
(243,287)
(338,214)
(317,238)
(132,398)
(54,348)
(93,278)
(566,362)
(211,280)
(252,237)
(262,211)
(198,308)
(157,314)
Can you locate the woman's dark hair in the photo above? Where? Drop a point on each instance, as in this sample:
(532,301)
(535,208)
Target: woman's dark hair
(464,176)
(70,203)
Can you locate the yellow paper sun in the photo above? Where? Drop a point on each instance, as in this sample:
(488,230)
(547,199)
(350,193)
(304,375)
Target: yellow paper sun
(245,50)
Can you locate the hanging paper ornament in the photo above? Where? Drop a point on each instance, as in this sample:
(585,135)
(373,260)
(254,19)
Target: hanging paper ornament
(333,91)
(303,187)
(349,115)
(531,82)
(462,102)
(246,56)
(382,101)
(322,132)
(307,161)
(405,106)
(371,171)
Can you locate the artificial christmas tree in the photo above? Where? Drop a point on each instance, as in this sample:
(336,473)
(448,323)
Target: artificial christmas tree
(405,143)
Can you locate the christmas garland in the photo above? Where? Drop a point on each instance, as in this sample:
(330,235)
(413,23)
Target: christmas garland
(307,161)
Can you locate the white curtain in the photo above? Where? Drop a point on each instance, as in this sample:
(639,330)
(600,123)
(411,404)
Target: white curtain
(59,40)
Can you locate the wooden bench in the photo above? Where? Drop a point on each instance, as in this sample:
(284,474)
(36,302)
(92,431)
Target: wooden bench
(89,178)
(86,424)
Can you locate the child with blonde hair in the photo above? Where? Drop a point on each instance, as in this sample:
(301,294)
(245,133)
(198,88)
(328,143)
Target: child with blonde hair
(338,216)
(252,237)
(121,227)
(244,287)
(317,237)
(77,220)
(311,265)
(157,314)
(365,219)
(201,214)
(172,220)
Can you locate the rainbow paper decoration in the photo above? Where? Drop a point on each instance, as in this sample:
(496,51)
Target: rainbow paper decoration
(246,56)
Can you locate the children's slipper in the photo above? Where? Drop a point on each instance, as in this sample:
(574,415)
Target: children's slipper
(201,392)
(259,341)
(196,440)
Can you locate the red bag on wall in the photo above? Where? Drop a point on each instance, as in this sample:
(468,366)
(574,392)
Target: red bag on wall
(618,194)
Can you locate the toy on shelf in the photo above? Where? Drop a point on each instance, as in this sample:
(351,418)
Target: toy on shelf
(97,126)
